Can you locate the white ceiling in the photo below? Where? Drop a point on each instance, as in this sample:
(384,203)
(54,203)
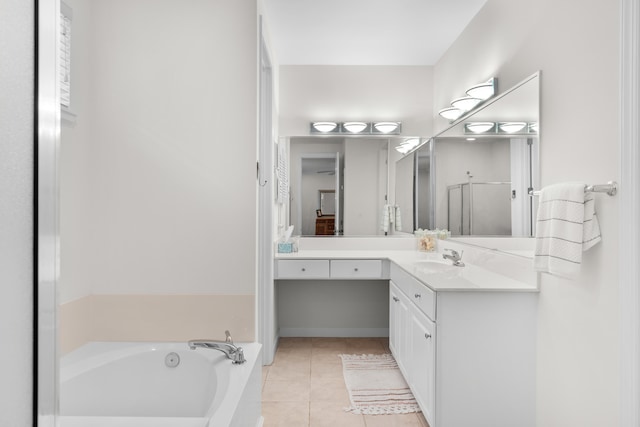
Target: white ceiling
(366,32)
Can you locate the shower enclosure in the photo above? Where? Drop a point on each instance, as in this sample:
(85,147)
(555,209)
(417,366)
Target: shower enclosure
(480,208)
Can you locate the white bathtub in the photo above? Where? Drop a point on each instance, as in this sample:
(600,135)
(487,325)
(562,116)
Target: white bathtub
(129,385)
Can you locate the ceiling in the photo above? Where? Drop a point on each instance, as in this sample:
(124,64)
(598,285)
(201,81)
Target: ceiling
(365,32)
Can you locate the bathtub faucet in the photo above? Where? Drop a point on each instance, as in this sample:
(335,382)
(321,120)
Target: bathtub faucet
(233,352)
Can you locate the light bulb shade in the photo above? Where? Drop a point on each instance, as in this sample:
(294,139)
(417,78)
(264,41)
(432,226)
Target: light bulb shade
(450,113)
(386,127)
(466,103)
(479,127)
(512,127)
(324,127)
(483,91)
(355,127)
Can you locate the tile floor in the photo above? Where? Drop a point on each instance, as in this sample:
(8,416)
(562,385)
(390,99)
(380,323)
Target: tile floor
(304,386)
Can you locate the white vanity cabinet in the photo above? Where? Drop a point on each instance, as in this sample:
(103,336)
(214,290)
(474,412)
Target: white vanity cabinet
(468,355)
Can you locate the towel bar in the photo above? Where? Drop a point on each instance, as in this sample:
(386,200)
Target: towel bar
(611,188)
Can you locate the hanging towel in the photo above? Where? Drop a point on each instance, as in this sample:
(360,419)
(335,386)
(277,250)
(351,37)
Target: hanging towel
(398,218)
(385,219)
(566,226)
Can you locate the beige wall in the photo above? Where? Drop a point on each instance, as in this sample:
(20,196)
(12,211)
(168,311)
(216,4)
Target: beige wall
(323,92)
(158,189)
(575,44)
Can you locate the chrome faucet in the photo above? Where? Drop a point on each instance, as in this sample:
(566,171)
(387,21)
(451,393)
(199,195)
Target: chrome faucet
(455,257)
(233,352)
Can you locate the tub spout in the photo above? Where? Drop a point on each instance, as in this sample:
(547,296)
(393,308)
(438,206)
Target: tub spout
(233,352)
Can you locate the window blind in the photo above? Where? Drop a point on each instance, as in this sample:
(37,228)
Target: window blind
(65,55)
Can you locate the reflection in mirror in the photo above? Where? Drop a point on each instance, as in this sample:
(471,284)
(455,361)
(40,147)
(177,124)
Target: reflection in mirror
(423,183)
(405,190)
(479,182)
(352,170)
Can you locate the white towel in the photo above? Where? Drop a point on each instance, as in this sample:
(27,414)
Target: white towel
(566,226)
(398,218)
(385,219)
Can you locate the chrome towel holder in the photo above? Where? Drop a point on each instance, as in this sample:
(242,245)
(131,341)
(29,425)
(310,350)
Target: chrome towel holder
(611,188)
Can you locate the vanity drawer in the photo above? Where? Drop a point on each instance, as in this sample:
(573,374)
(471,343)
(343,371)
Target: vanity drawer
(423,297)
(356,269)
(303,269)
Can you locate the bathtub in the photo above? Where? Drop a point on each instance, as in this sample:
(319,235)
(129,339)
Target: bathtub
(136,385)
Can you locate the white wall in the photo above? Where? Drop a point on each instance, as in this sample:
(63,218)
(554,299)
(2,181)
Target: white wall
(574,43)
(16,212)
(158,187)
(76,164)
(315,93)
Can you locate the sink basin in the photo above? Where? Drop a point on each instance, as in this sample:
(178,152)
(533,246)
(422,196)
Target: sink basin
(434,266)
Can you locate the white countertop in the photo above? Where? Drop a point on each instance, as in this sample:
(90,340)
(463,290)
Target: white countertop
(484,270)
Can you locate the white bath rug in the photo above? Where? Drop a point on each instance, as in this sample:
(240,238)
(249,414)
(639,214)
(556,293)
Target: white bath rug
(376,385)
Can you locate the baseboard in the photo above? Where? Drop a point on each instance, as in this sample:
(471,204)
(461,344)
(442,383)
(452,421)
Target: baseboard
(335,332)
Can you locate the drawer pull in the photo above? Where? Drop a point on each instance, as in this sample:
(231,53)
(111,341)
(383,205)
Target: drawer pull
(418,296)
(304,269)
(396,299)
(427,335)
(355,269)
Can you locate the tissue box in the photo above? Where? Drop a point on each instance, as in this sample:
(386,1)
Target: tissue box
(285,248)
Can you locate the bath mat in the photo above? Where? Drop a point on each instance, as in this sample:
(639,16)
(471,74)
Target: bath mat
(376,385)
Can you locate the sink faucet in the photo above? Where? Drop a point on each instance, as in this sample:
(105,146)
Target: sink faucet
(455,257)
(236,354)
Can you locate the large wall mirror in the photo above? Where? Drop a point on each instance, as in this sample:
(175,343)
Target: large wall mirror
(477,183)
(340,185)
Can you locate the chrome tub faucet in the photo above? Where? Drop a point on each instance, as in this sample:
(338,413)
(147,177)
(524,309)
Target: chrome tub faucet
(233,352)
(455,257)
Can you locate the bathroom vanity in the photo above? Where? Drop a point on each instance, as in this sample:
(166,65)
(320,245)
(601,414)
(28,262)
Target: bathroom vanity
(464,337)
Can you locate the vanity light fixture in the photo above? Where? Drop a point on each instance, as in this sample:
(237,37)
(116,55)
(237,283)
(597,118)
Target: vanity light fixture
(324,127)
(511,127)
(450,113)
(484,91)
(386,127)
(479,127)
(501,128)
(471,139)
(476,95)
(407,145)
(355,127)
(466,103)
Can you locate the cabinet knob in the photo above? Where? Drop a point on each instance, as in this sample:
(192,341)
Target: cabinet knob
(418,296)
(427,335)
(355,269)
(304,269)
(396,299)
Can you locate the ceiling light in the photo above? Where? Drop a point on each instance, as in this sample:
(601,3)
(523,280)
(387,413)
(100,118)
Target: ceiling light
(324,127)
(450,113)
(483,91)
(479,127)
(355,127)
(533,127)
(385,127)
(465,104)
(512,127)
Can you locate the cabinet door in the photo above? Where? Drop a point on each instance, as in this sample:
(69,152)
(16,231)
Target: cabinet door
(422,379)
(399,324)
